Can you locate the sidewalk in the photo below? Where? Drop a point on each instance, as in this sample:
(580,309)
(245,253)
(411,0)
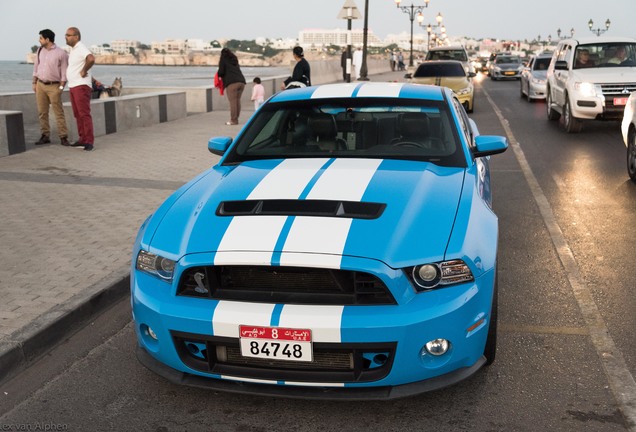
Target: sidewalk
(69,220)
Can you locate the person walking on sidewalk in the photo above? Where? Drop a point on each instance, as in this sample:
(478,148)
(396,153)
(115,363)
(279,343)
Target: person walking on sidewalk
(233,81)
(301,75)
(80,84)
(49,78)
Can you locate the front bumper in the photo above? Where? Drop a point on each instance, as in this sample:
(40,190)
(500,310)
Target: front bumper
(506,74)
(460,314)
(537,90)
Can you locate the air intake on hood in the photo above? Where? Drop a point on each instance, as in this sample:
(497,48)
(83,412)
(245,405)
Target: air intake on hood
(325,208)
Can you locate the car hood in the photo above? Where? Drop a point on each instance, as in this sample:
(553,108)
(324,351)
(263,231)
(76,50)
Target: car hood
(605,75)
(540,74)
(418,202)
(508,66)
(454,83)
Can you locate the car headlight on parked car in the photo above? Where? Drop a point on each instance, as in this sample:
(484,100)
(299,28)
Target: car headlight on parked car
(586,89)
(432,275)
(538,81)
(155,265)
(464,91)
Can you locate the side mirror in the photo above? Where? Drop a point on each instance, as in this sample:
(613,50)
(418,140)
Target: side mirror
(561,65)
(486,145)
(219,145)
(408,76)
(471,74)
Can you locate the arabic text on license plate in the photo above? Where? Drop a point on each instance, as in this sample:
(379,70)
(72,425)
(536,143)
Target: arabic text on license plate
(276,343)
(620,101)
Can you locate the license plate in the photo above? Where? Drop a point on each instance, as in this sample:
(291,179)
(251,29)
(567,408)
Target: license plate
(620,101)
(276,343)
(509,73)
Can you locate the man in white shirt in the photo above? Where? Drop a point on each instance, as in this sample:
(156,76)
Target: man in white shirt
(80,61)
(357,61)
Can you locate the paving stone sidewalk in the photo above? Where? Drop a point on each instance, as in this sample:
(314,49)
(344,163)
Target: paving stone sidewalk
(69,218)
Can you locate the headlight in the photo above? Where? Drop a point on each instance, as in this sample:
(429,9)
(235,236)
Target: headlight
(464,91)
(433,275)
(538,81)
(497,69)
(155,265)
(586,89)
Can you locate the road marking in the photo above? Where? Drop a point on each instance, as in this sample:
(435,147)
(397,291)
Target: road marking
(621,381)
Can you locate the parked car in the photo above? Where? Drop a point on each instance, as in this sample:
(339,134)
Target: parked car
(344,246)
(628,127)
(532,83)
(505,66)
(455,52)
(586,80)
(448,73)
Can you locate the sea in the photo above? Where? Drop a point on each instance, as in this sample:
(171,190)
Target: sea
(15,76)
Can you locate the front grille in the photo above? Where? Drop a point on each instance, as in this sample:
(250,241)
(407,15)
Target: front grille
(619,89)
(332,362)
(297,285)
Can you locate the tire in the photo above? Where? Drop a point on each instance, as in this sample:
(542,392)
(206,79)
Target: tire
(552,114)
(471,105)
(631,154)
(490,350)
(521,94)
(570,123)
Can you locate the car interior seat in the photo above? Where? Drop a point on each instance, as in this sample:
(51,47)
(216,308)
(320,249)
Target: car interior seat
(324,133)
(416,128)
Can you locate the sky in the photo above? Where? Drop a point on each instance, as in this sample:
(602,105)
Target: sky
(156,20)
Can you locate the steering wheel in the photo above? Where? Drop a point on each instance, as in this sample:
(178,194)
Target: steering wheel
(408,144)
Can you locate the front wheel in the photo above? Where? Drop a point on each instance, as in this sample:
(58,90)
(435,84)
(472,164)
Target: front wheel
(571,123)
(631,155)
(552,114)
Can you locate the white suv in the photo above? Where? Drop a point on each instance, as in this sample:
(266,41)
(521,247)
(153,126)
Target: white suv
(590,78)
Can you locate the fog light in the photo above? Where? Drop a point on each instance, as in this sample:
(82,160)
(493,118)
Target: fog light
(437,347)
(151,333)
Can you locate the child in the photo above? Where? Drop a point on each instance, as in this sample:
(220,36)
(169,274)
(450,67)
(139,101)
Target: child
(258,93)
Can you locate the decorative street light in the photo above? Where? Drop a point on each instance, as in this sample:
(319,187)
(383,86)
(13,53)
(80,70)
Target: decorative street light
(599,31)
(571,32)
(365,31)
(349,12)
(429,28)
(412,11)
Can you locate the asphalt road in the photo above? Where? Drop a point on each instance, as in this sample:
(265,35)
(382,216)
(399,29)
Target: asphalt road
(566,351)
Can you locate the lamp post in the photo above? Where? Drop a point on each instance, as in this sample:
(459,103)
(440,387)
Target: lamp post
(599,31)
(412,11)
(349,12)
(571,32)
(429,28)
(363,69)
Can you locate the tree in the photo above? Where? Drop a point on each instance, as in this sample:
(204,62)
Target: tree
(34,49)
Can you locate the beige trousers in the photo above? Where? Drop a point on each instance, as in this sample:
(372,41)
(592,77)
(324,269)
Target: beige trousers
(50,94)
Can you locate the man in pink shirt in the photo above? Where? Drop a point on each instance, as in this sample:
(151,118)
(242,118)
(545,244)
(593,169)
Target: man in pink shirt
(49,78)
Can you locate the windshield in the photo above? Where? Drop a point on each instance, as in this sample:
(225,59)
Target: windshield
(541,63)
(426,70)
(605,55)
(360,127)
(447,55)
(507,59)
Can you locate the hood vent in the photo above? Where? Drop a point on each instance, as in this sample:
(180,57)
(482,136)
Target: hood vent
(323,208)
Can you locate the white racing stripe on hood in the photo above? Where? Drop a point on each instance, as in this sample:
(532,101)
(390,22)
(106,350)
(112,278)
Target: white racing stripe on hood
(288,179)
(346,179)
(229,315)
(324,321)
(250,233)
(319,235)
(329,91)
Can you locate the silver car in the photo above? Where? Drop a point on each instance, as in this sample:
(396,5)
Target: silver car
(533,77)
(505,66)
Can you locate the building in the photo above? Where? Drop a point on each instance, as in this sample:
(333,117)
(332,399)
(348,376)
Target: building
(319,38)
(121,46)
(170,46)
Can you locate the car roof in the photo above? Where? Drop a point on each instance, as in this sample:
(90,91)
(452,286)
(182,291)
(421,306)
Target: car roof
(448,48)
(362,90)
(600,39)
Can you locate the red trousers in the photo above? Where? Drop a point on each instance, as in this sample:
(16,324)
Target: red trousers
(81,103)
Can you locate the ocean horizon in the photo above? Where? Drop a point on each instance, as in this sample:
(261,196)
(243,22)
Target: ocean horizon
(15,76)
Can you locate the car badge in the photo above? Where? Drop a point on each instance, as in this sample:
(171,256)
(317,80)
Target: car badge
(200,288)
(625,91)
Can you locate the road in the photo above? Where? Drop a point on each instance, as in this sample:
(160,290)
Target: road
(566,353)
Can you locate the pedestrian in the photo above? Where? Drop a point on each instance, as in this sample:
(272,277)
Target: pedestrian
(80,84)
(400,59)
(343,64)
(357,61)
(301,75)
(392,60)
(258,93)
(49,79)
(233,82)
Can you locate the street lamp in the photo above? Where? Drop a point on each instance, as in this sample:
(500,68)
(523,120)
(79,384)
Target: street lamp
(349,12)
(571,32)
(599,31)
(412,11)
(365,32)
(429,28)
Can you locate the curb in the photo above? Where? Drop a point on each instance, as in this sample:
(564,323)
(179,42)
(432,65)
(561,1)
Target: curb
(28,344)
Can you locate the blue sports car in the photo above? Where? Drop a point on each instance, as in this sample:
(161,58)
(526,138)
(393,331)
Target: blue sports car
(343,247)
